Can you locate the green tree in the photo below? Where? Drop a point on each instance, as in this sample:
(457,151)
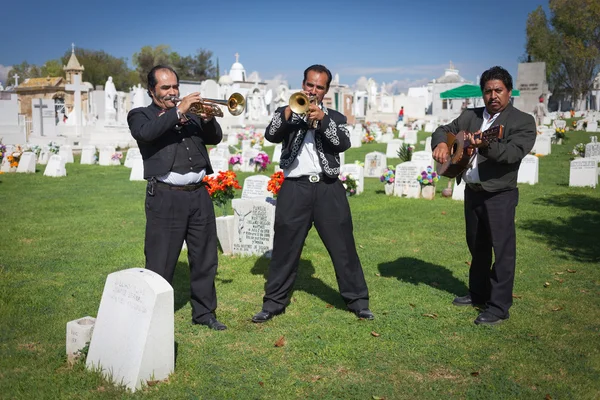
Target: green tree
(204,68)
(569,43)
(24,71)
(100,65)
(148,57)
(52,68)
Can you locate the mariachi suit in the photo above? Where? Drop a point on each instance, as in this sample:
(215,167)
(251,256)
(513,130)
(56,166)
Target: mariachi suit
(302,203)
(176,213)
(490,207)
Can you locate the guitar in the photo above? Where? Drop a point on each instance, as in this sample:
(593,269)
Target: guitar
(461,150)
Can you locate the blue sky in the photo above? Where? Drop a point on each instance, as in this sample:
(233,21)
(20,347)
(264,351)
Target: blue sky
(399,42)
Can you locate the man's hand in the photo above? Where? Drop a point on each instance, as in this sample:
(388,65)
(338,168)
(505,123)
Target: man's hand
(315,113)
(187,101)
(441,153)
(475,139)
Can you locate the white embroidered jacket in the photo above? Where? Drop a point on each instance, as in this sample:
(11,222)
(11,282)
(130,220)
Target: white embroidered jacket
(331,138)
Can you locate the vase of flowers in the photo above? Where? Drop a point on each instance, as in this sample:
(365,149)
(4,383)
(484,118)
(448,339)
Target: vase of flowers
(559,135)
(221,189)
(579,150)
(428,179)
(236,162)
(53,148)
(260,161)
(115,159)
(274,184)
(349,183)
(388,177)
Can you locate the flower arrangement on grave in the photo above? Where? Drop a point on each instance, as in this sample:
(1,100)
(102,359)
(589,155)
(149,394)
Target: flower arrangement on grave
(359,163)
(368,138)
(257,138)
(560,133)
(15,157)
(260,161)
(116,156)
(405,152)
(242,136)
(274,184)
(388,175)
(2,150)
(34,148)
(428,177)
(349,183)
(579,150)
(235,159)
(53,147)
(221,188)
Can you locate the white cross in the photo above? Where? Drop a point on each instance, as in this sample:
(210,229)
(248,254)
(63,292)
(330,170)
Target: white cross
(237,57)
(76,87)
(72,47)
(41,107)
(16,77)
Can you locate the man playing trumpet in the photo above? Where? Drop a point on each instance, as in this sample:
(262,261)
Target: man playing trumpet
(178,207)
(312,194)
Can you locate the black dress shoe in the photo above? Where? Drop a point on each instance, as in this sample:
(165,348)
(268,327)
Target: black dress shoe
(487,318)
(213,323)
(365,313)
(463,301)
(264,316)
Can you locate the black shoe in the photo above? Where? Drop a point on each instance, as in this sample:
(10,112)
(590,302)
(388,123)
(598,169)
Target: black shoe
(365,313)
(487,318)
(213,323)
(465,301)
(264,316)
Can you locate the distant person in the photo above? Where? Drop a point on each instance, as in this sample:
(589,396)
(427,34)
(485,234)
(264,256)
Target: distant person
(491,194)
(312,194)
(401,114)
(178,207)
(540,111)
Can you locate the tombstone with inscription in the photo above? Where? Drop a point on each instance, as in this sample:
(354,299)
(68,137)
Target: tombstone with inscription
(458,193)
(542,145)
(44,156)
(358,173)
(253,227)
(132,154)
(423,159)
(255,187)
(247,158)
(88,154)
(406,184)
(43,117)
(79,335)
(134,339)
(410,136)
(106,153)
(592,149)
(27,163)
(583,172)
(55,167)
(66,152)
(528,170)
(592,126)
(277,153)
(137,169)
(531,83)
(375,163)
(219,164)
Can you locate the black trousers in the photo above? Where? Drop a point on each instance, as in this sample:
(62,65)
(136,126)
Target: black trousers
(490,225)
(300,204)
(173,216)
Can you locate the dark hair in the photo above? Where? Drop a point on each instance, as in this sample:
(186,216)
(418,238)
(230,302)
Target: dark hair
(152,76)
(318,68)
(496,73)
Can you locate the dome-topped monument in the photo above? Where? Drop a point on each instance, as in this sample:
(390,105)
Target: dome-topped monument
(237,71)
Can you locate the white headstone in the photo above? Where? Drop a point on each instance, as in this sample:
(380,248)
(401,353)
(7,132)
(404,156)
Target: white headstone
(428,144)
(592,149)
(43,117)
(458,192)
(356,136)
(88,154)
(55,167)
(44,156)
(27,162)
(528,171)
(560,123)
(246,144)
(219,164)
(255,187)
(392,148)
(222,150)
(66,152)
(132,154)
(406,184)
(277,153)
(584,172)
(79,334)
(134,340)
(137,169)
(232,139)
(592,127)
(423,159)
(410,136)
(77,87)
(253,227)
(5,167)
(543,145)
(375,163)
(247,156)
(357,173)
(386,138)
(106,154)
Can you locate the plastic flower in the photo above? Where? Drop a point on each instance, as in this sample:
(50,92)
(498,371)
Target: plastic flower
(389,175)
(53,147)
(235,159)
(428,177)
(116,156)
(579,150)
(261,161)
(349,183)
(275,183)
(221,188)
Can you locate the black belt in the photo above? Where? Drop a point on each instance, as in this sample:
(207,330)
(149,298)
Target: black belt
(476,187)
(313,178)
(187,188)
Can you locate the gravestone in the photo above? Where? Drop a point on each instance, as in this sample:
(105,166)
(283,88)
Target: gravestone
(423,159)
(410,136)
(219,164)
(342,157)
(592,127)
(255,187)
(27,163)
(43,117)
(277,153)
(428,144)
(386,138)
(429,127)
(392,148)
(583,172)
(134,340)
(55,167)
(357,172)
(247,158)
(531,83)
(458,192)
(232,139)
(592,149)
(5,167)
(356,136)
(66,152)
(137,169)
(132,154)
(406,184)
(253,227)
(528,170)
(106,153)
(88,155)
(222,150)
(375,163)
(560,123)
(79,335)
(246,144)
(543,145)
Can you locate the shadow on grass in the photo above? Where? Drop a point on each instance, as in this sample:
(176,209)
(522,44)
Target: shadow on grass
(415,271)
(575,236)
(305,281)
(181,284)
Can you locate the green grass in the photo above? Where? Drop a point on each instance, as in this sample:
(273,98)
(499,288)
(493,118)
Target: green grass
(61,237)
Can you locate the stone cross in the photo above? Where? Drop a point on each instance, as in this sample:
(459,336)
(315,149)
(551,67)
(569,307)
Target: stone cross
(77,87)
(40,106)
(16,77)
(237,57)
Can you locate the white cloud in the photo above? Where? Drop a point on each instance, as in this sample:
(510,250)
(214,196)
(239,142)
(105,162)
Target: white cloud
(433,70)
(4,73)
(394,87)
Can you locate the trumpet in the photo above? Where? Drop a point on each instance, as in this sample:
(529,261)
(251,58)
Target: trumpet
(300,103)
(209,107)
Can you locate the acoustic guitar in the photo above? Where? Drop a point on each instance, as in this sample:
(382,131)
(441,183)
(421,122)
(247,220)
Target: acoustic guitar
(461,150)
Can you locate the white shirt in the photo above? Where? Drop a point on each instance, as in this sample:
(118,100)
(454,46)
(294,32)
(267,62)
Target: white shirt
(307,160)
(472,174)
(173,178)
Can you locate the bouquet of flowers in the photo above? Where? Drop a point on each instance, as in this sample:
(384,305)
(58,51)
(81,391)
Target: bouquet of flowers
(560,133)
(368,138)
(579,150)
(428,177)
(53,147)
(117,156)
(362,164)
(242,136)
(349,183)
(257,138)
(235,159)
(388,175)
(261,161)
(275,183)
(15,157)
(2,151)
(35,149)
(221,188)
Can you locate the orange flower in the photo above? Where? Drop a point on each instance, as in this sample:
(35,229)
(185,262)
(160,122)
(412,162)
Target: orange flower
(275,183)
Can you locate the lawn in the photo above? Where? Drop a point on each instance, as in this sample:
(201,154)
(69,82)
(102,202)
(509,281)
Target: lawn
(61,237)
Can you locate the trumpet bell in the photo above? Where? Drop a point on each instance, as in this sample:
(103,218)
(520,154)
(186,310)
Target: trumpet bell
(299,103)
(236,104)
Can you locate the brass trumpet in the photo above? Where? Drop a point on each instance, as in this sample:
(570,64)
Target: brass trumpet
(209,107)
(299,104)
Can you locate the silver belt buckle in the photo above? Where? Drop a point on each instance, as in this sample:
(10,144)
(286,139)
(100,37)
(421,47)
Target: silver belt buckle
(314,178)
